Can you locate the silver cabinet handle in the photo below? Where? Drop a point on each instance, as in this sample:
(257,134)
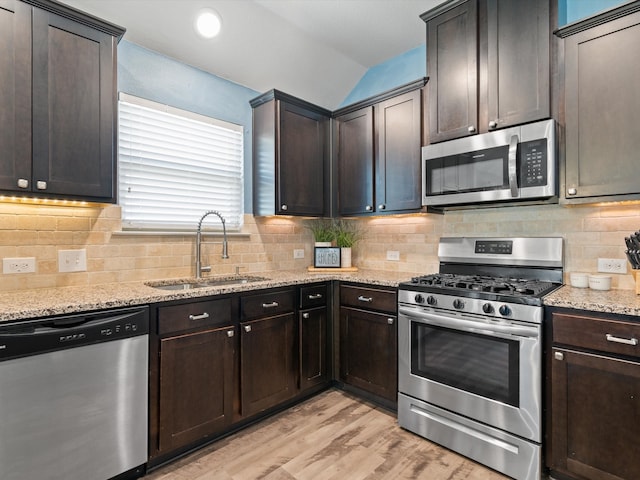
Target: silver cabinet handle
(365,299)
(390,321)
(368,208)
(626,341)
(230,333)
(202,316)
(558,356)
(23,183)
(316,296)
(572,191)
(382,206)
(247,328)
(471,129)
(270,305)
(284,207)
(41,185)
(493,124)
(305,315)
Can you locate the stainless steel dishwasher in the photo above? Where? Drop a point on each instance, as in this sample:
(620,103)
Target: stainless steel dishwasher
(73,396)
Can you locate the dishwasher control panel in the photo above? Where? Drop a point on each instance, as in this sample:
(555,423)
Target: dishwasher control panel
(29,337)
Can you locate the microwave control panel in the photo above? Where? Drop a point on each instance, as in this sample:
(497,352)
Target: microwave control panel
(533,163)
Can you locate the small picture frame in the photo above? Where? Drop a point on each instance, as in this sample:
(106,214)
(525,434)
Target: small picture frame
(326,257)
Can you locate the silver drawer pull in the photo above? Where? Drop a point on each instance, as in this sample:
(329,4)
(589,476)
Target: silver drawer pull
(365,299)
(317,296)
(626,341)
(390,321)
(270,305)
(230,333)
(199,317)
(247,328)
(305,315)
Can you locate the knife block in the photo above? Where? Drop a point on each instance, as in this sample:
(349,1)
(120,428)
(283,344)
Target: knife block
(636,277)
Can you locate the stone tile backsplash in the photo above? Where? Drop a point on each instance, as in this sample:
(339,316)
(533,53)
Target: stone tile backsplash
(267,243)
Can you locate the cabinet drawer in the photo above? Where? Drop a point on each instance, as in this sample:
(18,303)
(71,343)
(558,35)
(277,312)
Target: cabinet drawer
(194,315)
(368,298)
(606,335)
(313,296)
(267,304)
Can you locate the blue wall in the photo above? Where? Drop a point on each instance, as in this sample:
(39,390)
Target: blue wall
(149,75)
(570,11)
(385,76)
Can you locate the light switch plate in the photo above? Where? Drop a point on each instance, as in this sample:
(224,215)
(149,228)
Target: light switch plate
(393,255)
(298,253)
(72,260)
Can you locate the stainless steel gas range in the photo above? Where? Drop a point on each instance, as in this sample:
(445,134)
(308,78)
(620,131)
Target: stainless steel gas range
(470,353)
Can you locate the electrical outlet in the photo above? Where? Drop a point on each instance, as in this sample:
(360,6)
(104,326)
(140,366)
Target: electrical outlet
(393,255)
(19,265)
(612,265)
(298,253)
(72,260)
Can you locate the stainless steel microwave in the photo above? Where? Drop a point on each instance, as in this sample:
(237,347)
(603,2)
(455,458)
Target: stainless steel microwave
(517,163)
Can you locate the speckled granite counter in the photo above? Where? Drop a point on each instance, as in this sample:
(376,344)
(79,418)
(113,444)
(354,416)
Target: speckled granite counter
(624,302)
(35,303)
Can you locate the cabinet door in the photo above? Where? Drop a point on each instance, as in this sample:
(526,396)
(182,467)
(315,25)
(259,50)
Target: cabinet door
(368,351)
(452,63)
(595,415)
(398,142)
(517,62)
(73,108)
(355,162)
(313,347)
(301,161)
(267,368)
(15,95)
(196,386)
(602,75)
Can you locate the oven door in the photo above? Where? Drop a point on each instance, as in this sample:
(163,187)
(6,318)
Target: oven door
(483,368)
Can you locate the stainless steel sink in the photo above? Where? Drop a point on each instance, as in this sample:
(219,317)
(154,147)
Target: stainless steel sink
(206,282)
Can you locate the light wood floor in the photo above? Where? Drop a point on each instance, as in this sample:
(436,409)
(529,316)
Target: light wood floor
(332,436)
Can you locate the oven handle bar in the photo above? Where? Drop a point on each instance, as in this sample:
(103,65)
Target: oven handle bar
(468,325)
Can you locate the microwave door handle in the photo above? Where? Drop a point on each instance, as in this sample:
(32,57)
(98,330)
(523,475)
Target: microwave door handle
(513,172)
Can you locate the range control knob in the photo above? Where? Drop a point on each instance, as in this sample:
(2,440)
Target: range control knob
(418,298)
(504,310)
(487,308)
(431,300)
(458,304)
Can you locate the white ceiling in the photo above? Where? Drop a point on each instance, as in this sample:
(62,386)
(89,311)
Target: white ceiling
(314,49)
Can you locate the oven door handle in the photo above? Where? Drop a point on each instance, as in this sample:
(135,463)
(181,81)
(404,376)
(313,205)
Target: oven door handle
(468,325)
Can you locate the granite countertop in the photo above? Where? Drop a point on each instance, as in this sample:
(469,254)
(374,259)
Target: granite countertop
(26,304)
(624,302)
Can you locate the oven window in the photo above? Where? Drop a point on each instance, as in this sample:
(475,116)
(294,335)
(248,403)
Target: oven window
(481,364)
(470,172)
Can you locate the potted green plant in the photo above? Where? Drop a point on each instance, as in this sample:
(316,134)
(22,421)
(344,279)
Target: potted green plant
(346,234)
(322,231)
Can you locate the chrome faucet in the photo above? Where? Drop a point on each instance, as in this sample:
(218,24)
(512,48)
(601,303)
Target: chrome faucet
(199,267)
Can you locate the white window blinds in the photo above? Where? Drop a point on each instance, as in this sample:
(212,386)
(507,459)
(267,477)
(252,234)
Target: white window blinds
(176,165)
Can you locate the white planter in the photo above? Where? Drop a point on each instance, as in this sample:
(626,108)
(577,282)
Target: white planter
(345,257)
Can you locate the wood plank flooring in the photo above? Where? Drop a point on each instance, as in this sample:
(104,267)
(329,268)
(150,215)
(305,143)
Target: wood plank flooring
(332,436)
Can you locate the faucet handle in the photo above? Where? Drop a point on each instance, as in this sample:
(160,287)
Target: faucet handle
(205,269)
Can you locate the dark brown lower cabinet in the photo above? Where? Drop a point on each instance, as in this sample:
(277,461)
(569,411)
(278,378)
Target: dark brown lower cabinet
(595,398)
(267,362)
(196,386)
(312,325)
(369,341)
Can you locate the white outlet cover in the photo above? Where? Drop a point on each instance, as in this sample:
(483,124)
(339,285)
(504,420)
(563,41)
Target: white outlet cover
(19,265)
(298,253)
(72,260)
(393,255)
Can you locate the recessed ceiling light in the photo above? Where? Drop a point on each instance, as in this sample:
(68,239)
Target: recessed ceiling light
(208,23)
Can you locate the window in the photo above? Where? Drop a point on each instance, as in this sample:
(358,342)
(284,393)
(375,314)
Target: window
(176,165)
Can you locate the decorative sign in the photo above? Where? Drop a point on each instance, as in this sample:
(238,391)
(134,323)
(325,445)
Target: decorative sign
(327,257)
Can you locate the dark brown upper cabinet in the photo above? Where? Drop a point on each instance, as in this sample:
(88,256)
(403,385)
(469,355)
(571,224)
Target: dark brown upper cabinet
(290,156)
(377,153)
(488,63)
(58,102)
(601,106)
